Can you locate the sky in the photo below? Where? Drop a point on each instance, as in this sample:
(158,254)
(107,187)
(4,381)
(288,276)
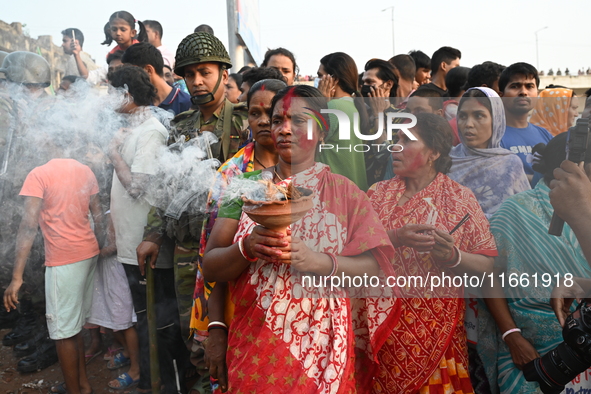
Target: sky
(502,31)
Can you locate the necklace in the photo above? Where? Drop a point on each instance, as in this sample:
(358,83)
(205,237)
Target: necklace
(404,195)
(258,161)
(275,171)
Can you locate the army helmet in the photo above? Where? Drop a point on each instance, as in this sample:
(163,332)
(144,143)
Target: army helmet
(26,68)
(2,56)
(200,47)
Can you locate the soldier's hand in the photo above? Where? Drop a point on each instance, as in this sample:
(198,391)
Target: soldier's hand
(147,251)
(11,294)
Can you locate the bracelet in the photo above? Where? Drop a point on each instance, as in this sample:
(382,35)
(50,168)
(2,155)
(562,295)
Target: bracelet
(455,255)
(243,250)
(510,332)
(217,324)
(335,264)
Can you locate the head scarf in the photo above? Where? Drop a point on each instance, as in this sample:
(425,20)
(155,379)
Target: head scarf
(551,112)
(494,173)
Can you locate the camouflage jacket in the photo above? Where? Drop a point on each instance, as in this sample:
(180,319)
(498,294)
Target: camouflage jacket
(230,125)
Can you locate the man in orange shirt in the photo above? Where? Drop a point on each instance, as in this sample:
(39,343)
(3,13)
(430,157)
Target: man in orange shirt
(58,196)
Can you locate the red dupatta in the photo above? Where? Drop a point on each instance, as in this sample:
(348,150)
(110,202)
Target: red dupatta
(287,338)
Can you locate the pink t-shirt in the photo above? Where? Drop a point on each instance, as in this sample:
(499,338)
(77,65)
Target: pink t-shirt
(65,186)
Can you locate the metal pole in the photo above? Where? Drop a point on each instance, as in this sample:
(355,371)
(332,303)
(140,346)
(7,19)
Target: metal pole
(392,20)
(232,29)
(152,333)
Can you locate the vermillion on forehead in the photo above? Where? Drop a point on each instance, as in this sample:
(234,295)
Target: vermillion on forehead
(287,99)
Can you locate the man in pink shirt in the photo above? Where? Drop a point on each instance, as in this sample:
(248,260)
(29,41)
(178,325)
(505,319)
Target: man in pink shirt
(58,196)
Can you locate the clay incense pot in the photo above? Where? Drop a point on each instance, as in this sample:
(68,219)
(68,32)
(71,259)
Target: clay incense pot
(278,215)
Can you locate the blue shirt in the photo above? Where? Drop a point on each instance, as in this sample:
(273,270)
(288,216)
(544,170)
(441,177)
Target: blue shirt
(177,101)
(520,142)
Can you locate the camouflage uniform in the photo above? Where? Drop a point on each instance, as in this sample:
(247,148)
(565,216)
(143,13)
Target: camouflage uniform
(186,231)
(229,124)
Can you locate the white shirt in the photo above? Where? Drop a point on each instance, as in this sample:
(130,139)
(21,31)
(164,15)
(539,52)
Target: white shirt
(167,56)
(72,68)
(130,216)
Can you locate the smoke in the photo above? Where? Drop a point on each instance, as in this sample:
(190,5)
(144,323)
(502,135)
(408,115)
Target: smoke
(80,123)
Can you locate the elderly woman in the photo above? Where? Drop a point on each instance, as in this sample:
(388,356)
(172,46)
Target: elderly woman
(525,323)
(419,208)
(478,162)
(320,337)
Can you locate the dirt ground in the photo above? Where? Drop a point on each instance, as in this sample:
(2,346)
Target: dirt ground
(12,382)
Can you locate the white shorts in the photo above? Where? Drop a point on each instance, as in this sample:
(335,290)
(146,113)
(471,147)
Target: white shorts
(68,294)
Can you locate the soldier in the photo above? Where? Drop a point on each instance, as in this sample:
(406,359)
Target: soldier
(22,101)
(203,61)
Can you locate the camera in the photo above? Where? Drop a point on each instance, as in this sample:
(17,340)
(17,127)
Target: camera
(566,361)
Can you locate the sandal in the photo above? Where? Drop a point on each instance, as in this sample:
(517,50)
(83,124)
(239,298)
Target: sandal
(125,382)
(118,361)
(58,389)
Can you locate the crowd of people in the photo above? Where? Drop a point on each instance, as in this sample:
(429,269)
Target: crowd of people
(155,182)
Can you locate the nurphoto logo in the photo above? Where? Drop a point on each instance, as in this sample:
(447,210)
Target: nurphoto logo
(345,130)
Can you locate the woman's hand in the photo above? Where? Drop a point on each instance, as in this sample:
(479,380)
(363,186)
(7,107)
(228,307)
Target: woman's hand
(216,347)
(562,298)
(416,236)
(522,351)
(444,246)
(265,244)
(327,86)
(378,98)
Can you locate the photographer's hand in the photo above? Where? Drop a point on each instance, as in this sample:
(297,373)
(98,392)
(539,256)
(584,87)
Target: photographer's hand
(570,191)
(562,298)
(522,351)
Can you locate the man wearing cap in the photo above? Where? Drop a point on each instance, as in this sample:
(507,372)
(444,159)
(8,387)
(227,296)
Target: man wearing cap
(203,61)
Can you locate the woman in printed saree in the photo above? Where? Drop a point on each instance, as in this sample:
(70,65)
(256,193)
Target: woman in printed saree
(526,326)
(286,335)
(427,351)
(256,155)
(479,163)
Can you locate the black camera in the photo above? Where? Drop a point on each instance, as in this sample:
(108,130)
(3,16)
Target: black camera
(365,90)
(566,361)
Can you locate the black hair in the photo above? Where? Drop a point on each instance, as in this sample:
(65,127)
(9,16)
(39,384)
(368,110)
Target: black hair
(136,81)
(434,96)
(405,65)
(552,155)
(422,60)
(144,54)
(588,92)
(244,69)
(237,78)
(77,33)
(154,25)
(443,54)
(142,36)
(204,28)
(342,67)
(117,55)
(385,72)
(456,79)
(483,74)
(437,135)
(525,69)
(479,96)
(315,100)
(281,51)
(259,73)
(272,85)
